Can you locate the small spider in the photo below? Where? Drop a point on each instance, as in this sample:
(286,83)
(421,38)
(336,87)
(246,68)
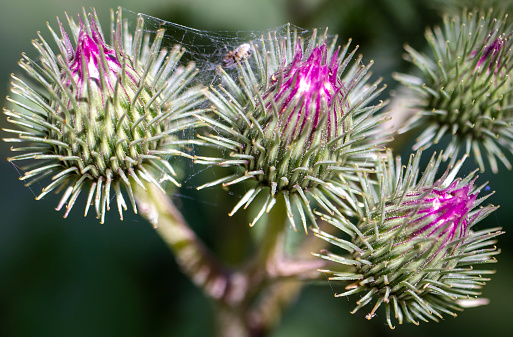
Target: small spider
(235,56)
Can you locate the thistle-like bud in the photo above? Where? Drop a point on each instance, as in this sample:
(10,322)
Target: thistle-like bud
(299,116)
(465,91)
(99,114)
(416,245)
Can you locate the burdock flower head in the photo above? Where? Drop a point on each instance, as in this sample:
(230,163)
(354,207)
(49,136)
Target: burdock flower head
(299,117)
(416,245)
(465,91)
(99,114)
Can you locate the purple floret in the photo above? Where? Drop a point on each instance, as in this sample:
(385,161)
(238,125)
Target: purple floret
(313,86)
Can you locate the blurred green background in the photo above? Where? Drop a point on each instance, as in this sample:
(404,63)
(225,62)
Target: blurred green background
(75,277)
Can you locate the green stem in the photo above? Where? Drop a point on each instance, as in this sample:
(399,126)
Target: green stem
(271,256)
(229,290)
(249,301)
(271,248)
(190,253)
(285,275)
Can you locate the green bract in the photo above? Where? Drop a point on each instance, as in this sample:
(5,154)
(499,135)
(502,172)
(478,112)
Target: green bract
(99,114)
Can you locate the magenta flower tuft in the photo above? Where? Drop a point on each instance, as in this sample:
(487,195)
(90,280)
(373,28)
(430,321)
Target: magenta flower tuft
(443,212)
(492,53)
(310,88)
(88,57)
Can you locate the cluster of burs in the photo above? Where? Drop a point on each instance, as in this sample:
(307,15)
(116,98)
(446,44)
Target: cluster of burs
(299,120)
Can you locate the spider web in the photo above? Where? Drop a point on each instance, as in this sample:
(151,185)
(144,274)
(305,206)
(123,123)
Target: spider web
(207,49)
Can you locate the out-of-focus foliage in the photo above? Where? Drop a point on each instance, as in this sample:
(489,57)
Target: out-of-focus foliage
(76,277)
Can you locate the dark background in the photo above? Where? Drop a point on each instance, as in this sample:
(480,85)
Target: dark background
(75,277)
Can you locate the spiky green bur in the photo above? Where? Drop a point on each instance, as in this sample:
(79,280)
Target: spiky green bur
(415,249)
(298,115)
(101,115)
(465,89)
